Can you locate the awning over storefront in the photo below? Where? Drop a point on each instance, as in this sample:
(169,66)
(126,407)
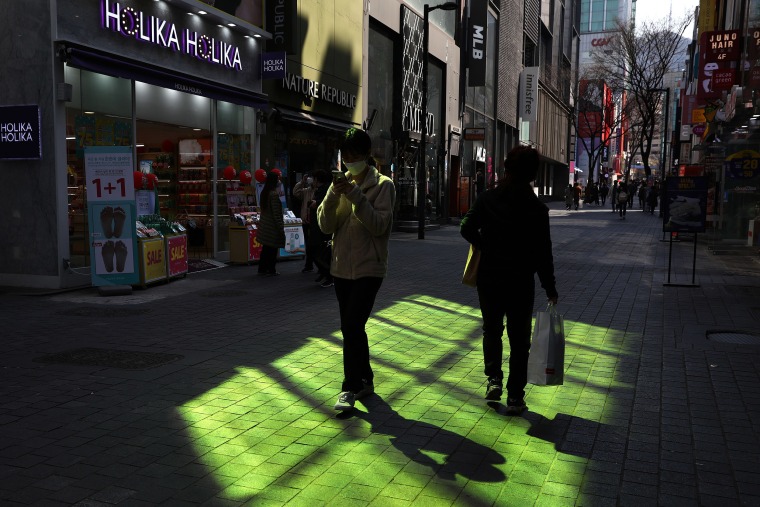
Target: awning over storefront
(303,118)
(102,63)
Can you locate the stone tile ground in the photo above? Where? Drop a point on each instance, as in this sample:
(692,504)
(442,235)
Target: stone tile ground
(651,413)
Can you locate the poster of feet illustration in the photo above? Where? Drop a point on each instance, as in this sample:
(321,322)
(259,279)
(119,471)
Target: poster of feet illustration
(111,212)
(113,242)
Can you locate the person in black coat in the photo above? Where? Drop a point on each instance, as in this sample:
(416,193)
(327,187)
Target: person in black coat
(510,226)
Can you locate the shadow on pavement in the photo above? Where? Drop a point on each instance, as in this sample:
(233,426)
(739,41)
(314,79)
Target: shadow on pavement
(460,455)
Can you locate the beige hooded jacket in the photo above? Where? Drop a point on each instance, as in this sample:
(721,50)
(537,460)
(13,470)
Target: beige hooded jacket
(360,223)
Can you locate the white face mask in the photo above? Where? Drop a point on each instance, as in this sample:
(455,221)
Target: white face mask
(355,167)
(309,180)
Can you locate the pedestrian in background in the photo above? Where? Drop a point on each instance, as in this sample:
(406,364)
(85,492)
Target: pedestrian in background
(510,227)
(358,212)
(652,198)
(622,199)
(577,191)
(569,197)
(271,228)
(304,192)
(643,196)
(603,192)
(317,238)
(614,195)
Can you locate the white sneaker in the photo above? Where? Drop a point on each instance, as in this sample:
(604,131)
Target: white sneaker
(345,401)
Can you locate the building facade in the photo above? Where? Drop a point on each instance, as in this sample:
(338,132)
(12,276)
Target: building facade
(175,85)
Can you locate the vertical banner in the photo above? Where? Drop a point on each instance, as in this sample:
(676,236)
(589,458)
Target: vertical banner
(529,94)
(719,54)
(280,21)
(411,71)
(477,26)
(111,212)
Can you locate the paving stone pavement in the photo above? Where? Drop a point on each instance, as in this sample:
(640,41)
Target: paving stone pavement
(651,412)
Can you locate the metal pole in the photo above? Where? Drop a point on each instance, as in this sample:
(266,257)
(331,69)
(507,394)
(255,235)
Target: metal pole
(665,129)
(422,164)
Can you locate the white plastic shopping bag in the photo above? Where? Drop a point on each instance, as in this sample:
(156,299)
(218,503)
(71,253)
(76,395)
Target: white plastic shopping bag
(546,363)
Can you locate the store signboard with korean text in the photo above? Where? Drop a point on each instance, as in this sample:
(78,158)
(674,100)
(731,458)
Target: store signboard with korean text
(719,53)
(20,128)
(111,213)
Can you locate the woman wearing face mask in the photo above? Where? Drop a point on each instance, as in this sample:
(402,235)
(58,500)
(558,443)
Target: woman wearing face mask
(304,191)
(358,212)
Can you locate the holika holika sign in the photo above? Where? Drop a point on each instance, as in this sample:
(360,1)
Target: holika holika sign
(20,132)
(151,29)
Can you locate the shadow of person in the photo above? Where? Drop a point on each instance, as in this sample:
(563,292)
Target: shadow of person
(572,435)
(418,440)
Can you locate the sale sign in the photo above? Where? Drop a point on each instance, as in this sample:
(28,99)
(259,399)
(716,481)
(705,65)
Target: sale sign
(111,213)
(176,254)
(153,264)
(254,247)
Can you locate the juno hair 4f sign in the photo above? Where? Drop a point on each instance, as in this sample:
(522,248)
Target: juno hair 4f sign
(20,132)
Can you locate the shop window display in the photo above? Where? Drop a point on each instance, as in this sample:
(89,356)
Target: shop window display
(99,114)
(174,148)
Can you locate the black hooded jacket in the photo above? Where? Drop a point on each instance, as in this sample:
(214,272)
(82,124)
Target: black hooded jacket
(511,228)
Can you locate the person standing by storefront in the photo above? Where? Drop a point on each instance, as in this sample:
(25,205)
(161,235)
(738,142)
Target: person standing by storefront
(304,192)
(358,212)
(271,229)
(510,226)
(318,239)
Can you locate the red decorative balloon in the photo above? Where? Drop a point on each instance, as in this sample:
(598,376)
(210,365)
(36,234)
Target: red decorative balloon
(277,172)
(229,172)
(152,181)
(245,177)
(139,180)
(260,175)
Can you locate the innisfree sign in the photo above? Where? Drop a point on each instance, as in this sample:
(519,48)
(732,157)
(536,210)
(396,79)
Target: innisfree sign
(20,132)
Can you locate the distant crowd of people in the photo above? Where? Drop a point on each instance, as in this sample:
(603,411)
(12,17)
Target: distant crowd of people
(622,195)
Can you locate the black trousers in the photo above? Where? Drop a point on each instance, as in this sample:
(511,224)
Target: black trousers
(355,301)
(268,259)
(513,300)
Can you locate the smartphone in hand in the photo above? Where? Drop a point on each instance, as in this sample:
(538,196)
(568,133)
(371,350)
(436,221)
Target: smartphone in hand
(338,176)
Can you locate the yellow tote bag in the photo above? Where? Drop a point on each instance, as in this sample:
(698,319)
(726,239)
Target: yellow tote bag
(470,276)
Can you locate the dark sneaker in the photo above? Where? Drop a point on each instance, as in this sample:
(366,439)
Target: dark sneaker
(367,389)
(515,406)
(327,283)
(493,389)
(345,401)
(319,278)
(307,270)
